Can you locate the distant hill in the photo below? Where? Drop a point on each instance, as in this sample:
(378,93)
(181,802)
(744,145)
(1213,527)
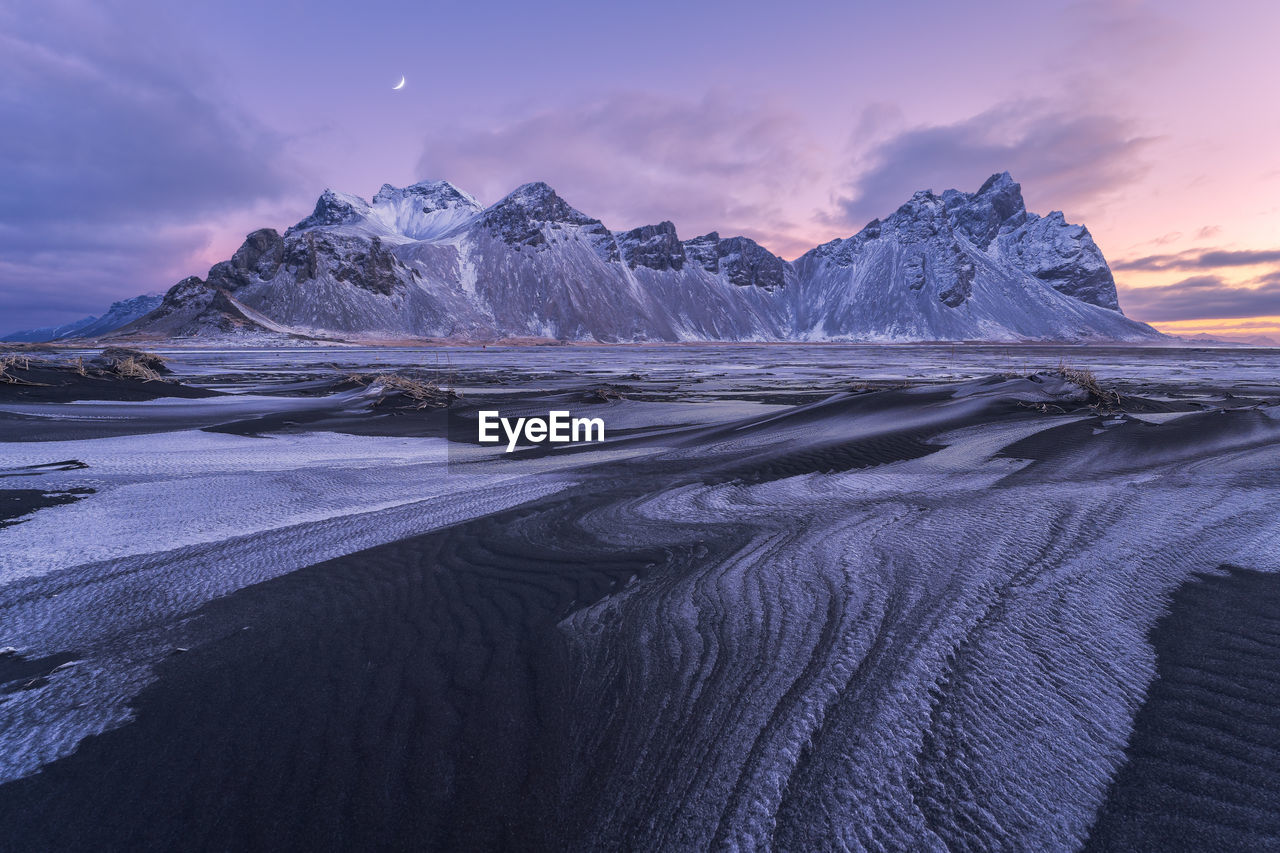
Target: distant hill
(119,314)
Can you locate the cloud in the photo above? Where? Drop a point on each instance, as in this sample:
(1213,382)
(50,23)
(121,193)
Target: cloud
(721,162)
(66,272)
(110,160)
(1204,297)
(1115,38)
(1194,259)
(1068,158)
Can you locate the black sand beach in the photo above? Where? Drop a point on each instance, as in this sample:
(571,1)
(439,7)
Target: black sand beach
(977,615)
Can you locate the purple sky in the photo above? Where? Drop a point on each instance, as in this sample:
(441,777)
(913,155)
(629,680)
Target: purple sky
(142,140)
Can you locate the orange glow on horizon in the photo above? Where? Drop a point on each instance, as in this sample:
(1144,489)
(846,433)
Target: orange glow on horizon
(1268,326)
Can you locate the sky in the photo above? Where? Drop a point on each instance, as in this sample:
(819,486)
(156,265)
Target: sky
(142,140)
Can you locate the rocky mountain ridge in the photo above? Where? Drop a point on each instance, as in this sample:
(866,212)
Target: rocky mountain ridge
(120,313)
(428,261)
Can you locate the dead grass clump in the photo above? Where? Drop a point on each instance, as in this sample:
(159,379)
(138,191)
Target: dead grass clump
(14,364)
(10,364)
(603,394)
(1103,399)
(420,393)
(126,363)
(132,368)
(135,362)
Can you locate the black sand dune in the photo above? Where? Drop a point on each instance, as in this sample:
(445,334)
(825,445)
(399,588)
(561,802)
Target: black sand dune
(906,619)
(412,696)
(1202,768)
(43,381)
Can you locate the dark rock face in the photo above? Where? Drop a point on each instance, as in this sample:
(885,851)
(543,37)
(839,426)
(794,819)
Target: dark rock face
(915,272)
(748,264)
(961,272)
(1064,257)
(261,252)
(654,246)
(193,306)
(917,221)
(259,257)
(1061,255)
(365,263)
(224,315)
(196,306)
(376,270)
(982,215)
(704,251)
(535,216)
(743,261)
(188,293)
(333,209)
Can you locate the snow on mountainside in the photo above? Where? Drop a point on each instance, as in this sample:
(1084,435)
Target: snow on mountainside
(119,314)
(962,266)
(429,261)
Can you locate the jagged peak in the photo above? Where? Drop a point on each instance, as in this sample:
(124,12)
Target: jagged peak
(536,202)
(535,215)
(334,208)
(999,182)
(653,246)
(666,226)
(441,194)
(331,197)
(740,259)
(1003,193)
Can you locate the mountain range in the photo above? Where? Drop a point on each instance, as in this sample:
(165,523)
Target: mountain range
(429,261)
(119,314)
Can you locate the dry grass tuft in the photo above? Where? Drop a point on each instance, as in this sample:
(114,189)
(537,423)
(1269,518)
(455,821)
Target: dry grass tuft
(421,393)
(10,363)
(130,364)
(13,362)
(132,368)
(603,394)
(1100,398)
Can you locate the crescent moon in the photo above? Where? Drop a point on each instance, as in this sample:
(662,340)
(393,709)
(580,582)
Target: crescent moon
(399,85)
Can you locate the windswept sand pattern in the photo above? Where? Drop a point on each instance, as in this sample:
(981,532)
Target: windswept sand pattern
(1203,768)
(913,619)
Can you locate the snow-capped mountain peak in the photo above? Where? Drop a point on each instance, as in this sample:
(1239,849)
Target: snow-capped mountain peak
(423,211)
(335,208)
(980,216)
(534,215)
(433,195)
(426,260)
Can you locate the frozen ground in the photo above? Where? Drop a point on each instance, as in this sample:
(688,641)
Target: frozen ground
(737,367)
(790,604)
